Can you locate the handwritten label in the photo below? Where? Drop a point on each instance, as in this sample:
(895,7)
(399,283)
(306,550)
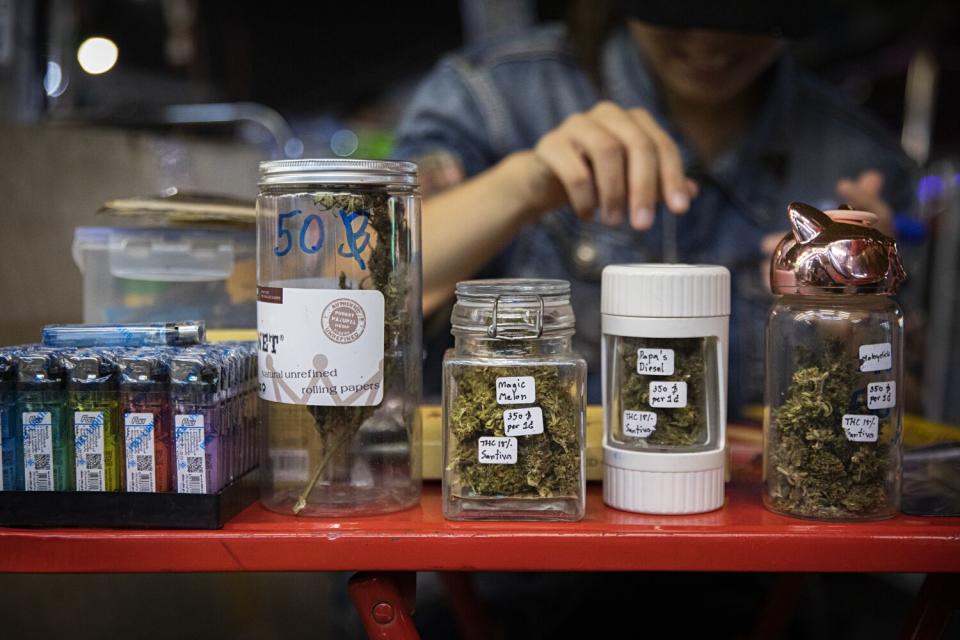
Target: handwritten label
(357,237)
(668,394)
(38,450)
(655,362)
(882,395)
(639,424)
(88,444)
(523,422)
(861,428)
(876,357)
(493,450)
(516,390)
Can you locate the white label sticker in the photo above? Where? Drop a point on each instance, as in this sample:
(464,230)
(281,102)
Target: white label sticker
(516,390)
(290,465)
(668,394)
(38,450)
(639,424)
(493,450)
(876,357)
(141,461)
(863,428)
(88,443)
(321,347)
(191,455)
(655,362)
(523,422)
(882,395)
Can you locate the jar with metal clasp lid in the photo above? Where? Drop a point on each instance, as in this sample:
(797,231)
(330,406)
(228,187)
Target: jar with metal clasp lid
(513,404)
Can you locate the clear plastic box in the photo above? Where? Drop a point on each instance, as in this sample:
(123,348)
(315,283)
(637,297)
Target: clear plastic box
(159,275)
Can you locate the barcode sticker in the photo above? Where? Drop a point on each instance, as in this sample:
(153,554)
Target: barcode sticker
(655,362)
(494,450)
(882,395)
(523,422)
(861,428)
(876,357)
(88,443)
(516,390)
(639,424)
(191,458)
(38,450)
(668,395)
(138,441)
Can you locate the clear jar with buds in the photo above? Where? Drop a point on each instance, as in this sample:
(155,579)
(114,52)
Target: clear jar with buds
(513,404)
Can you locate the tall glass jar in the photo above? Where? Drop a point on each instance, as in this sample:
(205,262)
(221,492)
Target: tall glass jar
(339,326)
(834,360)
(513,404)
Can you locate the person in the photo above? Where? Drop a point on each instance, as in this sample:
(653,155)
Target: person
(682,141)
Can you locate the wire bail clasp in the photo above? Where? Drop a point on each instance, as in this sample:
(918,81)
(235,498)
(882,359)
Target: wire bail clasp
(494,330)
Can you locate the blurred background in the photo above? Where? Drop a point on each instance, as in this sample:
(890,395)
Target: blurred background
(107,99)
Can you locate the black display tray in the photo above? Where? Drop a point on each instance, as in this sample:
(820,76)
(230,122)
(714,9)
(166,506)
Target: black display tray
(128,510)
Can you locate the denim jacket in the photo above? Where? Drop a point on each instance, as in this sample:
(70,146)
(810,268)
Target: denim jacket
(482,104)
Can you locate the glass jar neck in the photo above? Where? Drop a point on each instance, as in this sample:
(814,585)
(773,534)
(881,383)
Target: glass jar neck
(479,345)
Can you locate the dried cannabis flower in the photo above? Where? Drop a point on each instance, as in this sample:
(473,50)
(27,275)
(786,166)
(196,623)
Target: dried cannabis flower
(548,464)
(814,470)
(388,274)
(676,427)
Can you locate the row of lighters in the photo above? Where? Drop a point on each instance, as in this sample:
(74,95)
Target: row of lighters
(126,418)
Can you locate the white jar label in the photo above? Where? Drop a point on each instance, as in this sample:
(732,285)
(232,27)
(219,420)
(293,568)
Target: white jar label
(655,362)
(493,450)
(516,390)
(320,346)
(523,422)
(876,357)
(190,446)
(668,394)
(88,441)
(38,450)
(639,424)
(141,464)
(861,428)
(882,395)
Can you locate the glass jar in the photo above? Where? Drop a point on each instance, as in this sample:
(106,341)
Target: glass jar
(832,420)
(665,329)
(513,404)
(339,328)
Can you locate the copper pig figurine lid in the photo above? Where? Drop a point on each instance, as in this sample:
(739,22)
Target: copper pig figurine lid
(834,252)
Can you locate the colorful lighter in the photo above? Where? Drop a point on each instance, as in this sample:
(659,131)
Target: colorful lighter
(94,405)
(124,335)
(11,446)
(195,379)
(42,422)
(148,442)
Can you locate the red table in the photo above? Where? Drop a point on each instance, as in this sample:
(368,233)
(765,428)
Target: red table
(743,536)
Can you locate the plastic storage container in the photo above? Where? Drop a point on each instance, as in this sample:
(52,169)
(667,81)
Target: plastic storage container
(665,330)
(513,404)
(339,324)
(157,275)
(834,362)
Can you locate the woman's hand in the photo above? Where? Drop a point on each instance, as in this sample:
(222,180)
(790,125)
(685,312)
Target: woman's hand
(864,194)
(616,160)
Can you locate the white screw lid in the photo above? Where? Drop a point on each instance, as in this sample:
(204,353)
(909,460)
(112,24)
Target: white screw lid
(665,290)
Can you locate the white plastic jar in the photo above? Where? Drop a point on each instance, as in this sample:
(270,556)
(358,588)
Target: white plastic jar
(665,345)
